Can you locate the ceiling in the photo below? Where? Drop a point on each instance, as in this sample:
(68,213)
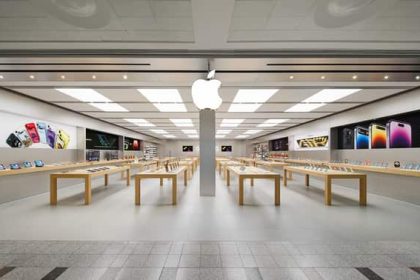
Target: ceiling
(294,79)
(209,25)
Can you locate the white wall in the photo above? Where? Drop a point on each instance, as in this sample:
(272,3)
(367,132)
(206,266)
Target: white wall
(174,148)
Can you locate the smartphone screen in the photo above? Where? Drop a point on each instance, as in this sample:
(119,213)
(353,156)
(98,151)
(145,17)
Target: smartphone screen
(33,132)
(377,136)
(399,134)
(361,139)
(348,138)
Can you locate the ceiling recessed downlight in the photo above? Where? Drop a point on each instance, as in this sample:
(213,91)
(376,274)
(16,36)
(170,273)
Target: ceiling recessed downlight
(417,77)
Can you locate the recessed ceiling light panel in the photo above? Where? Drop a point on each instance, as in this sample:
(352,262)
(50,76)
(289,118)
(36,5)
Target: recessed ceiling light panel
(253,95)
(243,108)
(161,95)
(304,107)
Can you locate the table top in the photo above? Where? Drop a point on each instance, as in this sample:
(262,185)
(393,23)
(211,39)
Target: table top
(248,170)
(161,171)
(62,166)
(322,172)
(271,163)
(94,171)
(143,163)
(232,163)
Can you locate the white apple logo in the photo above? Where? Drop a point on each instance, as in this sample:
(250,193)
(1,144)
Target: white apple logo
(205,93)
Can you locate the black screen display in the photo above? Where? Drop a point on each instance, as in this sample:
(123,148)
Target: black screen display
(187,148)
(227,149)
(131,144)
(97,140)
(281,144)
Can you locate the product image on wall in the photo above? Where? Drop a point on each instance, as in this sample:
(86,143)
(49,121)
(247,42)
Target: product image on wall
(314,142)
(97,140)
(281,144)
(400,131)
(131,144)
(93,155)
(226,148)
(38,135)
(187,148)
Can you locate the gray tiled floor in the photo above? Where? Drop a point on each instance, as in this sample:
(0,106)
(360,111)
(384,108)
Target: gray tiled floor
(209,238)
(265,263)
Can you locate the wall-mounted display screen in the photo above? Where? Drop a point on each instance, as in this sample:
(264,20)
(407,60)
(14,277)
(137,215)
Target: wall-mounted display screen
(398,131)
(97,140)
(314,141)
(281,144)
(187,148)
(131,144)
(226,149)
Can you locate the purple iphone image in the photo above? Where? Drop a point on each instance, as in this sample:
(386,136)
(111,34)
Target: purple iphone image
(399,134)
(50,137)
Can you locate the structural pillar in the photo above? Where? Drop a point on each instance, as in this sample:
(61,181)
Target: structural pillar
(207,152)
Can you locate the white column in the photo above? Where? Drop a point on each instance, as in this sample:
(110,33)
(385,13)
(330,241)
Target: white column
(207,152)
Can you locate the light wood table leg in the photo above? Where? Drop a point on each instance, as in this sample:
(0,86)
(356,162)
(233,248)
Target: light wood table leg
(285,177)
(137,191)
(128,177)
(161,181)
(122,175)
(88,190)
(185,177)
(227,177)
(241,190)
(362,191)
(252,182)
(307,180)
(53,190)
(327,191)
(290,175)
(174,189)
(220,169)
(277,190)
(106,179)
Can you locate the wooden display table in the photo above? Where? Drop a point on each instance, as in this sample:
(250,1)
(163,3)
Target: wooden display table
(272,164)
(144,164)
(219,161)
(189,164)
(328,176)
(195,161)
(224,164)
(163,161)
(253,173)
(87,175)
(247,161)
(160,174)
(63,166)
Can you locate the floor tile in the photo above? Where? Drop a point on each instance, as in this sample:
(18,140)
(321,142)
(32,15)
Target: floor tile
(231,261)
(27,273)
(172,260)
(189,261)
(282,273)
(340,274)
(188,274)
(155,261)
(210,261)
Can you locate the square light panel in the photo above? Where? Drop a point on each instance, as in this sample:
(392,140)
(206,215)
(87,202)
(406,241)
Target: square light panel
(253,95)
(159,131)
(170,107)
(331,95)
(272,122)
(244,107)
(223,131)
(182,122)
(189,131)
(140,122)
(231,122)
(161,95)
(252,131)
(305,107)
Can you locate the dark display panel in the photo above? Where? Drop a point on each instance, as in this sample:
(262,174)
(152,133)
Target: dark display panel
(131,144)
(226,149)
(187,148)
(281,144)
(398,131)
(97,140)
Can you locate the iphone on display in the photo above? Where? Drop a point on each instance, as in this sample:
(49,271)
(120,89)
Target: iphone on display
(377,137)
(50,137)
(62,140)
(33,132)
(13,141)
(361,138)
(24,137)
(399,134)
(348,138)
(42,132)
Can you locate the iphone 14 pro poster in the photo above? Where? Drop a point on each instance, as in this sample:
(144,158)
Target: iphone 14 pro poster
(398,131)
